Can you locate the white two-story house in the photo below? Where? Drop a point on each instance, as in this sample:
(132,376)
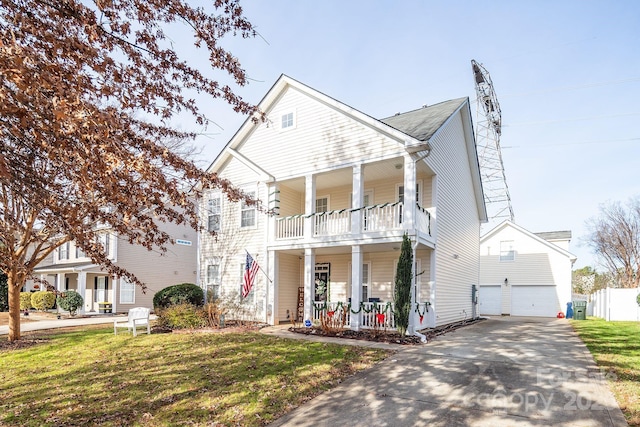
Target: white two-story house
(343,188)
(67,268)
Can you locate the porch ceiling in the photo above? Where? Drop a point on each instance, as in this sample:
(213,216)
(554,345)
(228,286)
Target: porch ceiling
(334,250)
(392,169)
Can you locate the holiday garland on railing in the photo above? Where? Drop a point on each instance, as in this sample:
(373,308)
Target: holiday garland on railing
(339,211)
(375,308)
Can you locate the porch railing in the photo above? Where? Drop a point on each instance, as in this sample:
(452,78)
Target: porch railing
(380,317)
(332,223)
(382,217)
(387,216)
(290,227)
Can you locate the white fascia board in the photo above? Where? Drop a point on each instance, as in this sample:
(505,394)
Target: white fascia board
(508,223)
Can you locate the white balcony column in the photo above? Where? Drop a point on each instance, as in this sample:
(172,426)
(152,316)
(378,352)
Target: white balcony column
(356,285)
(410,196)
(309,282)
(82,288)
(309,205)
(413,316)
(357,194)
(273,190)
(60,282)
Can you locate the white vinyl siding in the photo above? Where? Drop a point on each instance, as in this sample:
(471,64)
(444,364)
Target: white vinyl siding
(458,225)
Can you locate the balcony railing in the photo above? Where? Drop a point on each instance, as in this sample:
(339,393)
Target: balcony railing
(382,217)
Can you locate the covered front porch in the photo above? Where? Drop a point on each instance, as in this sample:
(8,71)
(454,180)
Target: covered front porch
(351,286)
(98,289)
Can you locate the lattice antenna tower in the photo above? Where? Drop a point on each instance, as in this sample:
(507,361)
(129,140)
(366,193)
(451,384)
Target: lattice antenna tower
(488,130)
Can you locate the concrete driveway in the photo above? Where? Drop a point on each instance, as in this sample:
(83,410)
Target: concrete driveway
(498,372)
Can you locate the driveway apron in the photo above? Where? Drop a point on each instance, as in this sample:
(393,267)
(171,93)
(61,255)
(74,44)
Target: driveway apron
(497,372)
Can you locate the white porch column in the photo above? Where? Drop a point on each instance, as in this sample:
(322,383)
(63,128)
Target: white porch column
(409,208)
(309,285)
(271,309)
(431,316)
(60,282)
(309,205)
(357,194)
(413,316)
(356,285)
(82,288)
(114,300)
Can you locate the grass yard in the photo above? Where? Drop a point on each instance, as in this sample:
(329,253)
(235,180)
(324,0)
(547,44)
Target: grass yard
(91,377)
(615,346)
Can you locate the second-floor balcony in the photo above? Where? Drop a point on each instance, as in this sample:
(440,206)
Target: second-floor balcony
(373,219)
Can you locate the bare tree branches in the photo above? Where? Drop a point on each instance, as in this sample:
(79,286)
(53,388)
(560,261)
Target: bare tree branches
(615,238)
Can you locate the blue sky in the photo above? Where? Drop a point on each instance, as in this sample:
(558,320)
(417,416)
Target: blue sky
(566,74)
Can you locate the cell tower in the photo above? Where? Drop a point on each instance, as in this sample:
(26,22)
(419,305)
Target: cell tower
(488,130)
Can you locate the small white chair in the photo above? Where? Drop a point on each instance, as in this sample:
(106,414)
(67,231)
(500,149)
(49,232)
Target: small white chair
(138,316)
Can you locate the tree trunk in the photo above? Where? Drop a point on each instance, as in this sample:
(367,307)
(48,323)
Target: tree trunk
(14,309)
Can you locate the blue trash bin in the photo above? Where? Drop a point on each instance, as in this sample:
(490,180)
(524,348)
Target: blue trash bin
(569,313)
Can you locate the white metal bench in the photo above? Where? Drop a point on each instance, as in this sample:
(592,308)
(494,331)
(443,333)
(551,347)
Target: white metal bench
(137,317)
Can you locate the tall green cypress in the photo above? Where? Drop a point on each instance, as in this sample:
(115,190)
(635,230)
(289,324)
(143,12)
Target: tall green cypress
(402,290)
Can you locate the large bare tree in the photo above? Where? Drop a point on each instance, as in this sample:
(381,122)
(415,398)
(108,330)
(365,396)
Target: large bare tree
(615,239)
(88,93)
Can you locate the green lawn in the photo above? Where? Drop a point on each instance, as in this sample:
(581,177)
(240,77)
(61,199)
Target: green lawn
(616,347)
(91,377)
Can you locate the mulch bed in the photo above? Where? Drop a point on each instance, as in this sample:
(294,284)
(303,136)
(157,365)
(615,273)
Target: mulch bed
(390,337)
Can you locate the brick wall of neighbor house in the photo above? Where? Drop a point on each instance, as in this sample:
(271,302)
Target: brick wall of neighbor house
(458,227)
(535,264)
(177,265)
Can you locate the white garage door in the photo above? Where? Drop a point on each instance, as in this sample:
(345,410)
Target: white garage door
(490,300)
(539,301)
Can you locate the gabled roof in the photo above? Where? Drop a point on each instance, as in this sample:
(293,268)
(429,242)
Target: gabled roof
(423,123)
(554,235)
(529,234)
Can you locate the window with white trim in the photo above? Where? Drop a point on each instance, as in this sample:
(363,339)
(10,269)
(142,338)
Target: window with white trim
(248,213)
(63,251)
(127,292)
(214,210)
(287,120)
(507,253)
(365,281)
(213,281)
(104,239)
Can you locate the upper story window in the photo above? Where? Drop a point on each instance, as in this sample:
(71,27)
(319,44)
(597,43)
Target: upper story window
(214,208)
(248,213)
(322,204)
(105,241)
(63,251)
(287,121)
(507,253)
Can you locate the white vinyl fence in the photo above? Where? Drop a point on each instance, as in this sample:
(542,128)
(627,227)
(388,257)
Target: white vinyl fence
(615,304)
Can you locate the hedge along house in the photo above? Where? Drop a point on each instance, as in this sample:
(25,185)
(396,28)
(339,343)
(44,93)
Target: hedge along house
(343,188)
(69,269)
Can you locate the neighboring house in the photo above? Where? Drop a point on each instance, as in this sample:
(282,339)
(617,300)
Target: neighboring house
(524,273)
(344,188)
(69,269)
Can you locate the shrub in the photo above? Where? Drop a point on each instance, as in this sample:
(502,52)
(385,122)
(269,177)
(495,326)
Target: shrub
(70,301)
(4,293)
(182,316)
(25,301)
(184,293)
(402,290)
(43,300)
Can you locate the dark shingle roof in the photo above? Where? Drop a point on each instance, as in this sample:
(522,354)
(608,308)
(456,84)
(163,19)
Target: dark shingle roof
(423,123)
(554,235)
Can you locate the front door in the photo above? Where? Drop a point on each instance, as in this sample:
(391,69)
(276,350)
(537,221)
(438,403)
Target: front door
(101,289)
(321,282)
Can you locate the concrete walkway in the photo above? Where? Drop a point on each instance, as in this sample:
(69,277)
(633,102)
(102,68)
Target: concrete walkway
(38,322)
(499,372)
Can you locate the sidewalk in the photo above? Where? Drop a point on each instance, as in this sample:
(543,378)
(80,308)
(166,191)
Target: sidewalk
(37,322)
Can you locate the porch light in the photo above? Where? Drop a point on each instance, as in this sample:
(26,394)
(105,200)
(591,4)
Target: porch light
(506,282)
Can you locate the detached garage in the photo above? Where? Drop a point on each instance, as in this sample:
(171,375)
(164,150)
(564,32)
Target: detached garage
(524,273)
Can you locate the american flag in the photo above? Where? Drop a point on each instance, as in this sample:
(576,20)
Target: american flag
(251,268)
